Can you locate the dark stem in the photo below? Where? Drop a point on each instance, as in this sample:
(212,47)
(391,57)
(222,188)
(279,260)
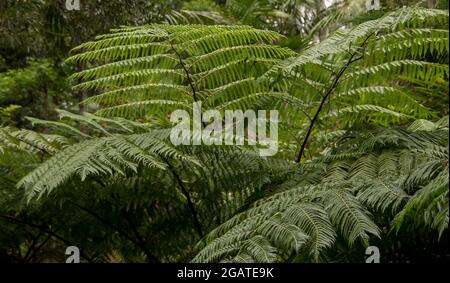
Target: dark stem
(188,76)
(31,247)
(38,248)
(172,170)
(139,238)
(42,229)
(333,86)
(150,256)
(185,192)
(191,84)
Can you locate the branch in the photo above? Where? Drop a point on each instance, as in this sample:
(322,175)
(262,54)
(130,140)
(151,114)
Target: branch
(333,86)
(188,76)
(31,247)
(185,192)
(140,240)
(42,229)
(150,256)
(191,84)
(38,248)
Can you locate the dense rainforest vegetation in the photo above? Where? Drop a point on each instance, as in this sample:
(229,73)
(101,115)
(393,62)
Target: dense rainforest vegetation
(86,158)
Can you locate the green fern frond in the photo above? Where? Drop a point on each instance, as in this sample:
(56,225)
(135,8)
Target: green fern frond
(112,155)
(177,63)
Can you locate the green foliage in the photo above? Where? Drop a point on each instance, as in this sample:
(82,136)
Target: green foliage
(47,28)
(402,177)
(364,73)
(362,106)
(34,88)
(7,112)
(162,67)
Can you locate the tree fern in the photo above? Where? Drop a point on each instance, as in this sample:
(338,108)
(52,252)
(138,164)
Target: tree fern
(340,205)
(175,65)
(372,159)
